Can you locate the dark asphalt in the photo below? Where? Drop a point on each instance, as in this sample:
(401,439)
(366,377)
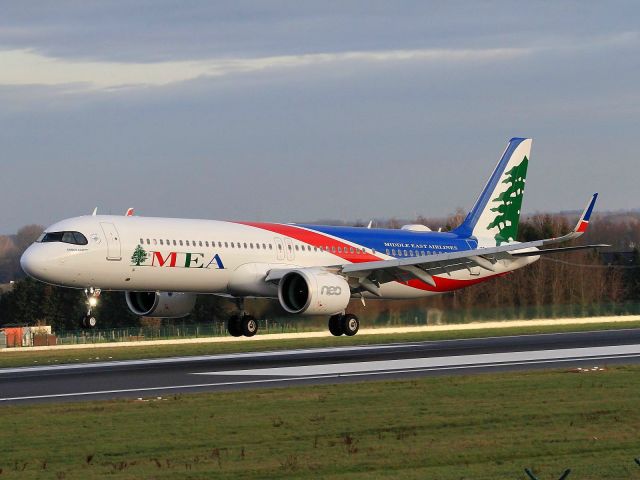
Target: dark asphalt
(169,376)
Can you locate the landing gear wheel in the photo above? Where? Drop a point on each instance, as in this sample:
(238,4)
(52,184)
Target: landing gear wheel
(249,326)
(89,321)
(335,325)
(234,327)
(350,324)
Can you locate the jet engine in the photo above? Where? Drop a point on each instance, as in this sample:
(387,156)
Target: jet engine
(313,292)
(161,304)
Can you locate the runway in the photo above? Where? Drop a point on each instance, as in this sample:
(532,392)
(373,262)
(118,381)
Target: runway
(170,376)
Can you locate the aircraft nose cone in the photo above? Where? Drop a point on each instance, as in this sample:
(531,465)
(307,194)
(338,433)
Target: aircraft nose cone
(32,263)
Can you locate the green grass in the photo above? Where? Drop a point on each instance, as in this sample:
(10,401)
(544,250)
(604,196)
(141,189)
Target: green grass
(23,358)
(488,426)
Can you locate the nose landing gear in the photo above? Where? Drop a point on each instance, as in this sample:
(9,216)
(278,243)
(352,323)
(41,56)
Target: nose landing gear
(92,294)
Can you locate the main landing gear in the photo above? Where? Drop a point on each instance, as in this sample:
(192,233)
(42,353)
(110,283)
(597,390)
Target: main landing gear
(242,323)
(347,324)
(92,294)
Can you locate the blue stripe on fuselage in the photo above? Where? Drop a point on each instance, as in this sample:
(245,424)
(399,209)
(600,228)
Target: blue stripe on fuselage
(382,240)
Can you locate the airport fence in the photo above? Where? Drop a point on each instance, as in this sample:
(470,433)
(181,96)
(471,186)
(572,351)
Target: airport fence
(434,316)
(170,330)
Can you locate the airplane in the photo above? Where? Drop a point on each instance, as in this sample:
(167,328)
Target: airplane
(162,264)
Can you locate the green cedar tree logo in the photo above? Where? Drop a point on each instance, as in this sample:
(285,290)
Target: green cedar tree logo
(139,256)
(508,211)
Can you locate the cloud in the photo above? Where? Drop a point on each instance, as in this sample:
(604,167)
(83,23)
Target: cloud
(25,67)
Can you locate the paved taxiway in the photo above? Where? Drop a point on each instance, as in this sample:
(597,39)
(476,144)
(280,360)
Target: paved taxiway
(169,376)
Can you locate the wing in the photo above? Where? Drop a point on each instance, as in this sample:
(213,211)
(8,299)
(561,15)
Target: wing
(372,274)
(369,275)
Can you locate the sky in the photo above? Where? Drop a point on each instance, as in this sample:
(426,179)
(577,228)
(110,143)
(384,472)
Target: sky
(301,111)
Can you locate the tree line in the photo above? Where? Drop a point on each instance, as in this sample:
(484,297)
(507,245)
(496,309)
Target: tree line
(578,283)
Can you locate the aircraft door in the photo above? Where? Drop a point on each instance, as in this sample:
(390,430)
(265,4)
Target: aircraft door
(279,248)
(289,249)
(113,241)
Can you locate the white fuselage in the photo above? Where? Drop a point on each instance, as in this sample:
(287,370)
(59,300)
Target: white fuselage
(206,256)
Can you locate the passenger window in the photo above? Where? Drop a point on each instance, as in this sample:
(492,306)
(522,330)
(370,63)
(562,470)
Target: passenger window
(219,244)
(206,243)
(297,248)
(155,242)
(142,241)
(148,242)
(174,242)
(264,246)
(200,243)
(180,242)
(333,249)
(393,252)
(387,251)
(161,242)
(257,246)
(279,247)
(226,245)
(187,242)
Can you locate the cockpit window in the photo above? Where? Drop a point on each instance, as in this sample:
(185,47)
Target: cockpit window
(74,238)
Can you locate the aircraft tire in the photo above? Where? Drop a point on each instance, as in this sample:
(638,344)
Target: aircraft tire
(91,321)
(234,327)
(350,324)
(335,325)
(249,326)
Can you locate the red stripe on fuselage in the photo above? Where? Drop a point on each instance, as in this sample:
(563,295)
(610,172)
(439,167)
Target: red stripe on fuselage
(443,284)
(446,284)
(316,239)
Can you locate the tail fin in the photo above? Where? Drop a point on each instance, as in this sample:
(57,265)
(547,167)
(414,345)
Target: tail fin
(495,216)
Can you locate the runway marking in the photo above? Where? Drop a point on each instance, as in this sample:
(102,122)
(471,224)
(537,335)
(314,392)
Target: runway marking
(431,362)
(315,377)
(288,352)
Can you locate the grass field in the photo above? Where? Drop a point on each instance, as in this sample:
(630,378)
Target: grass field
(488,426)
(23,358)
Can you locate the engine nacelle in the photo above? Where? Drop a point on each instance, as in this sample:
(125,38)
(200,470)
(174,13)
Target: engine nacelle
(313,292)
(160,304)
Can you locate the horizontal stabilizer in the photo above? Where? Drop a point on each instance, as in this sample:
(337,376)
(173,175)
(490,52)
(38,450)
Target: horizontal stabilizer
(557,250)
